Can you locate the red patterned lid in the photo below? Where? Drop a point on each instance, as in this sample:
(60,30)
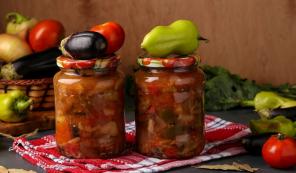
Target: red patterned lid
(96,64)
(171,62)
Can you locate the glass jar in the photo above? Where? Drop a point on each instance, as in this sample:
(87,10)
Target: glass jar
(170,108)
(89,108)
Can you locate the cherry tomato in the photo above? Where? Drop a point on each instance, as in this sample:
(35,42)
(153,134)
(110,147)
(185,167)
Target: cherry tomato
(279,151)
(46,34)
(114,34)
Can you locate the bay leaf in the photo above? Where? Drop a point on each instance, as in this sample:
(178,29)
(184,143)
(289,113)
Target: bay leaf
(245,167)
(229,167)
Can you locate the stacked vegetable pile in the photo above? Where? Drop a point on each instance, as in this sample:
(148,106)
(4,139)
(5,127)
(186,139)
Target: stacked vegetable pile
(89,107)
(278,115)
(29,47)
(93,49)
(276,107)
(169,108)
(28,50)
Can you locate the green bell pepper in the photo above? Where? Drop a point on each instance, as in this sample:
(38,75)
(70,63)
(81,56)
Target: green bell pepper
(181,37)
(279,124)
(14,106)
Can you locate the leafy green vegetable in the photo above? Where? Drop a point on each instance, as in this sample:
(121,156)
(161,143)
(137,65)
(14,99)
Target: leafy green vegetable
(224,90)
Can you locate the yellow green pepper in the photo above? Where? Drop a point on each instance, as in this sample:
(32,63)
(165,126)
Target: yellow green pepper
(279,124)
(14,106)
(271,100)
(181,37)
(266,101)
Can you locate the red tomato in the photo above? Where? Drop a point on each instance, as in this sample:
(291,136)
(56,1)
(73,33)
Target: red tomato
(114,34)
(279,151)
(46,34)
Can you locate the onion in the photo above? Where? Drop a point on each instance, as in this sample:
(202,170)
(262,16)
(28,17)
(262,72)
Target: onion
(12,48)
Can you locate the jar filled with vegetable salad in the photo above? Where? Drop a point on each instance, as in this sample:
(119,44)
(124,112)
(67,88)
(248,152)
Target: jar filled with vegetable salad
(89,99)
(169,111)
(89,111)
(170,93)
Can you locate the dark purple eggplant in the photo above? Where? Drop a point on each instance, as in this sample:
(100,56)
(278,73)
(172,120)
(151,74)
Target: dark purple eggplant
(84,45)
(33,66)
(254,143)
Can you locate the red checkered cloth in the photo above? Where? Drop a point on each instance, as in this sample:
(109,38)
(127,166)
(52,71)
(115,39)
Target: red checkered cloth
(222,141)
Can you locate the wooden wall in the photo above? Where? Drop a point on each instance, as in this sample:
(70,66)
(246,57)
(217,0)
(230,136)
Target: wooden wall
(254,38)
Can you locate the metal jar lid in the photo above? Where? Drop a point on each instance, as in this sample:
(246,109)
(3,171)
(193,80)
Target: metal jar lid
(95,64)
(170,62)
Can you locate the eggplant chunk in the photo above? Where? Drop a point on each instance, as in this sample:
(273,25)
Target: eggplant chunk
(84,45)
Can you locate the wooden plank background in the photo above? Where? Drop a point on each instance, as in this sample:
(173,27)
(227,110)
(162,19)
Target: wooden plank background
(256,39)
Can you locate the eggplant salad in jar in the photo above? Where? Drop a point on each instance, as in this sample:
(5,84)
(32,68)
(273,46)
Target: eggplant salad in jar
(170,91)
(89,98)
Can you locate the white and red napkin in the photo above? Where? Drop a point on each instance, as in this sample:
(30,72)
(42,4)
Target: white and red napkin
(222,141)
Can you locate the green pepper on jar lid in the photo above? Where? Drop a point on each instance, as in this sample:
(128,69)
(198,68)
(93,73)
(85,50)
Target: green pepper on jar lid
(180,37)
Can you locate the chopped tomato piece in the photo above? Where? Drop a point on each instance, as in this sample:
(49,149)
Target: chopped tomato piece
(171,152)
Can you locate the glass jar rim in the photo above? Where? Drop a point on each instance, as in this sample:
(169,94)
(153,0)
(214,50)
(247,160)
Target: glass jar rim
(112,62)
(170,62)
